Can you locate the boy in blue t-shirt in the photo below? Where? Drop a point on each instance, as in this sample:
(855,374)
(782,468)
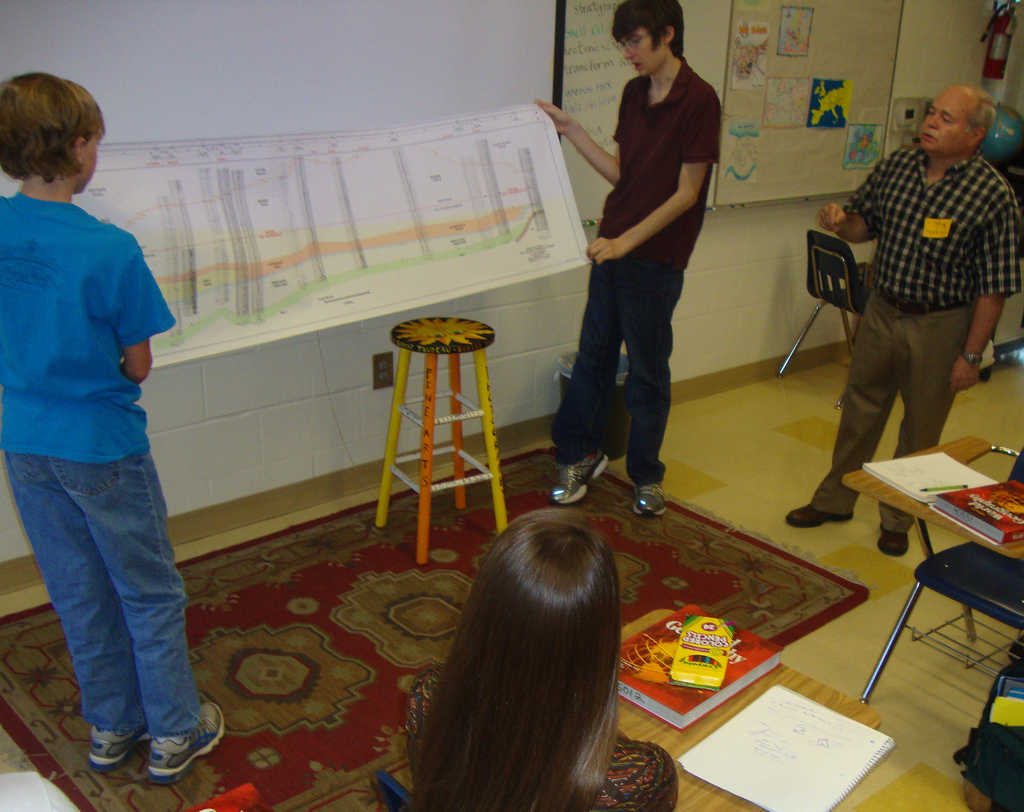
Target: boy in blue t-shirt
(78,306)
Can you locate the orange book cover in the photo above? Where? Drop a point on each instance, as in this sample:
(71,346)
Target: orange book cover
(646,660)
(995,511)
(241,799)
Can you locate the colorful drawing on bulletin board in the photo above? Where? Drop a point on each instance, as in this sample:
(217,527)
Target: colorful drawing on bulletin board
(795,30)
(750,56)
(830,103)
(785,102)
(739,152)
(863,146)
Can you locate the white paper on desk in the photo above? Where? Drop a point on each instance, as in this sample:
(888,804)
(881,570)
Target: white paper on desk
(914,475)
(787,753)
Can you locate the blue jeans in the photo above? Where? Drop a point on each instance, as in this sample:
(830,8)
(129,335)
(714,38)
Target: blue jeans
(99,534)
(629,300)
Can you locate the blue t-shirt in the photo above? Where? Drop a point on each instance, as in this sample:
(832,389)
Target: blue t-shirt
(73,292)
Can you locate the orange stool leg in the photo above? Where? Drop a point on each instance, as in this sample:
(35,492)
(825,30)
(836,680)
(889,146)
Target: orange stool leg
(426,457)
(391,447)
(459,464)
(483,387)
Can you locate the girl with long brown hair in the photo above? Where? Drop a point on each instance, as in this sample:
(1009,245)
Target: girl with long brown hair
(522,716)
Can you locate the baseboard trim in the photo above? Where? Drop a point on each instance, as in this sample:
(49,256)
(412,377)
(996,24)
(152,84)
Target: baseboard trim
(359,484)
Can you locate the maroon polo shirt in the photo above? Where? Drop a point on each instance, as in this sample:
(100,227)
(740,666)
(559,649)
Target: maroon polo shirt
(654,143)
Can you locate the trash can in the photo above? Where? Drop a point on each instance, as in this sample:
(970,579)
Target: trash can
(616,430)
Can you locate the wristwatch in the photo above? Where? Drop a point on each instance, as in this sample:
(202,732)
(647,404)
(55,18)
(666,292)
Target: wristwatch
(971,358)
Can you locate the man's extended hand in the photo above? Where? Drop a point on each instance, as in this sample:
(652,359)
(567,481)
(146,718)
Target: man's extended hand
(850,227)
(831,217)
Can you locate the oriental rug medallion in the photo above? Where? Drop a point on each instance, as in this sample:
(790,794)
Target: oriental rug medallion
(308,639)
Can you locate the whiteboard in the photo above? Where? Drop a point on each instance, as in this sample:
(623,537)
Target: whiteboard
(209,71)
(594,73)
(165,71)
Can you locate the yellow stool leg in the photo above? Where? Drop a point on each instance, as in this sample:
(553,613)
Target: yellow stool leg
(391,447)
(459,464)
(426,457)
(483,388)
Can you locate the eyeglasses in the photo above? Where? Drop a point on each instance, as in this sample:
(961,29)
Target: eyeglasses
(632,43)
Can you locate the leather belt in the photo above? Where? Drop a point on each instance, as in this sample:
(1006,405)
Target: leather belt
(916,308)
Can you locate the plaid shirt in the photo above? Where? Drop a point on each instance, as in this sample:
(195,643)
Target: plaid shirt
(978,256)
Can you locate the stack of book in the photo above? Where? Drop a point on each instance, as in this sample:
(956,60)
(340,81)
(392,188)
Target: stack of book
(995,512)
(646,663)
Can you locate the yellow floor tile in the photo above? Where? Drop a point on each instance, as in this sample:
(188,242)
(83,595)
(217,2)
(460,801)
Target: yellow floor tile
(685,482)
(880,572)
(920,789)
(812,430)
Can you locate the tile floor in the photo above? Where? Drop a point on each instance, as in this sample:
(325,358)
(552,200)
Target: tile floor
(751,454)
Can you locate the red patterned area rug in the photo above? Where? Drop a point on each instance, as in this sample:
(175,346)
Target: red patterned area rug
(309,638)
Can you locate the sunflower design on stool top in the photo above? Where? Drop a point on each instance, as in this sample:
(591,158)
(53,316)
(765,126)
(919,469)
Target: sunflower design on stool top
(442,335)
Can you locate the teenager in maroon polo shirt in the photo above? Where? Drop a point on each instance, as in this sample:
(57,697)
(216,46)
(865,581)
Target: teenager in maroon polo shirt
(667,138)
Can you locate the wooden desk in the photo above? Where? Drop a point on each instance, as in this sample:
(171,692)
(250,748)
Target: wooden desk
(965,450)
(695,794)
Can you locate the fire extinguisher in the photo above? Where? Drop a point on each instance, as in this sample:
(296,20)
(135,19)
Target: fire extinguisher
(1001,28)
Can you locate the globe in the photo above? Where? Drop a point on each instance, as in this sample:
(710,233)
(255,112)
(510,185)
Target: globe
(1005,136)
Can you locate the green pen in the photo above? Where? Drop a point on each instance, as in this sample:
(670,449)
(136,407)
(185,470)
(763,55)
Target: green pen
(943,488)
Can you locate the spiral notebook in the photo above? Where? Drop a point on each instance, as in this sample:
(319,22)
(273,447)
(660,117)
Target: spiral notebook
(787,753)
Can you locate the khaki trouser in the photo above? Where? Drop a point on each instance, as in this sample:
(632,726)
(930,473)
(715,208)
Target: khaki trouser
(894,352)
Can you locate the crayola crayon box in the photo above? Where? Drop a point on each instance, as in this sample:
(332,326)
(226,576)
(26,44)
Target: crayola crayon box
(702,653)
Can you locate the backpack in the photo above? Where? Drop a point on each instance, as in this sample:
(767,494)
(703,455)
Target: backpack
(993,759)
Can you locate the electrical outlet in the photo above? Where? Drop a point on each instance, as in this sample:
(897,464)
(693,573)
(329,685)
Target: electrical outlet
(383,370)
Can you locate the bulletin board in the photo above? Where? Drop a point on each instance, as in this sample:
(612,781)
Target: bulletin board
(806,96)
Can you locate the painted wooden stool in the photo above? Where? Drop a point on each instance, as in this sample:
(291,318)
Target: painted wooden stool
(433,337)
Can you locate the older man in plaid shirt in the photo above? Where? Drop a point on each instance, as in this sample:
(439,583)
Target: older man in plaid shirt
(947,229)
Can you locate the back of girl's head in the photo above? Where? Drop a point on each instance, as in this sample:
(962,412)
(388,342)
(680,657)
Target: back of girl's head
(41,118)
(524,713)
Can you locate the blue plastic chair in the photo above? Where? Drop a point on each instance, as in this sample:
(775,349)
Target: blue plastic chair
(396,797)
(980,579)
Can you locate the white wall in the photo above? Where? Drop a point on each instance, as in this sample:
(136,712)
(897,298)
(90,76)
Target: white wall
(257,419)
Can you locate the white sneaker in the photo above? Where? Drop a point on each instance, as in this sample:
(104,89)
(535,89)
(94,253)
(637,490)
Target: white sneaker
(649,500)
(109,750)
(171,758)
(573,478)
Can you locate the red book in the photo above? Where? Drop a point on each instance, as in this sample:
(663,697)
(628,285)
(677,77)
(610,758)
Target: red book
(994,511)
(646,659)
(241,799)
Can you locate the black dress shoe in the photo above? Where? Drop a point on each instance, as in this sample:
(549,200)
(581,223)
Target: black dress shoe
(808,516)
(892,542)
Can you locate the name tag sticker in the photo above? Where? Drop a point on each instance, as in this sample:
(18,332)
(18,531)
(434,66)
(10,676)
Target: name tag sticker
(936,229)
